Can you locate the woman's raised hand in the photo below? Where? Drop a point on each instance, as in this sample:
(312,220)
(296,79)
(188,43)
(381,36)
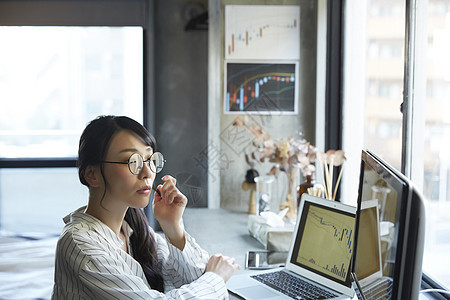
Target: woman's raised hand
(168,210)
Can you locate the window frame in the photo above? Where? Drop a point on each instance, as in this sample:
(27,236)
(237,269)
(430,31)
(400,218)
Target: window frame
(334,76)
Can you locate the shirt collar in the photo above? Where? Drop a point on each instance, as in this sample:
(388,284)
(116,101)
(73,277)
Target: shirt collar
(79,217)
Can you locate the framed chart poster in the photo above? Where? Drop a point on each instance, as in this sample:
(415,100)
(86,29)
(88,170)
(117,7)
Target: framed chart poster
(261,87)
(262,53)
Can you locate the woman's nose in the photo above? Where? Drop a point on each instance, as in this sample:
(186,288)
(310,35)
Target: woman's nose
(146,172)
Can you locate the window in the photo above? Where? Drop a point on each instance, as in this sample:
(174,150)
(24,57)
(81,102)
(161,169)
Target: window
(34,200)
(384,67)
(373,95)
(53,81)
(436,140)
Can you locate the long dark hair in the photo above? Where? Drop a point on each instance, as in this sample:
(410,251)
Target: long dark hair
(94,144)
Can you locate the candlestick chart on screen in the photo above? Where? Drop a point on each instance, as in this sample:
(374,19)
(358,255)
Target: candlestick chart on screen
(327,242)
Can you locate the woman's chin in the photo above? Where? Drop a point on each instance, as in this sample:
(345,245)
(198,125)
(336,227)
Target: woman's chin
(142,202)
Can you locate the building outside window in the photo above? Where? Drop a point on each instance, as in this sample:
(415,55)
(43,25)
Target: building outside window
(436,168)
(376,100)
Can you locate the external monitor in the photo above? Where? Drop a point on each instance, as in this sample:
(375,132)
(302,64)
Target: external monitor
(401,225)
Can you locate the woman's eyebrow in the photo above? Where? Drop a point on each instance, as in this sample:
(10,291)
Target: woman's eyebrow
(148,149)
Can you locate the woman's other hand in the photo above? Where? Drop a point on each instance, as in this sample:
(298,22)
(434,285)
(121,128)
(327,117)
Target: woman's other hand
(223,266)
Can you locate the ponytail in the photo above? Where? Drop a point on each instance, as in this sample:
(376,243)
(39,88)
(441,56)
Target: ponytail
(143,247)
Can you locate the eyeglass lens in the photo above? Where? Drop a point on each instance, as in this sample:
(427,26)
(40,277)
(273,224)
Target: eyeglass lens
(157,162)
(136,162)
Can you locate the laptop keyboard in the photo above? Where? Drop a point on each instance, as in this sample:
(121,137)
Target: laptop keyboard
(381,290)
(293,286)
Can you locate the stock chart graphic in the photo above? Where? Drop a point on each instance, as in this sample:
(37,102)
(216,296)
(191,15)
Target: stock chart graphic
(327,242)
(255,87)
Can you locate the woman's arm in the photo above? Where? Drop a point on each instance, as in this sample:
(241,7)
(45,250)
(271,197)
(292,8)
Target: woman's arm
(106,284)
(181,267)
(88,270)
(188,257)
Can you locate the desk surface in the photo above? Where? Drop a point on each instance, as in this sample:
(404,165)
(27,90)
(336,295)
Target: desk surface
(221,231)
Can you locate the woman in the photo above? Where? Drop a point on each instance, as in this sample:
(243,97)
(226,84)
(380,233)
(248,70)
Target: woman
(107,250)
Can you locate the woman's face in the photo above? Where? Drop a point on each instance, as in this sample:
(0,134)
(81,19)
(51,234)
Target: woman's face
(123,187)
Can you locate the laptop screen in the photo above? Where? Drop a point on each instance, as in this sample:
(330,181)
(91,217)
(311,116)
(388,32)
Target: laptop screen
(368,265)
(324,242)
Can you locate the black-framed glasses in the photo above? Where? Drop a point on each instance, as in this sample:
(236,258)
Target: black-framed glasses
(136,162)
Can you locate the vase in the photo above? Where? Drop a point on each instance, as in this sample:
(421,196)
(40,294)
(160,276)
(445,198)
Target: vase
(264,193)
(291,197)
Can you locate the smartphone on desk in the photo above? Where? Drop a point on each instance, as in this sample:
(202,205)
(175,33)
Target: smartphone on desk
(265,259)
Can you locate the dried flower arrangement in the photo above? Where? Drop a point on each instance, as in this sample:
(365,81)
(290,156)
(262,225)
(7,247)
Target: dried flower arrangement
(289,155)
(285,153)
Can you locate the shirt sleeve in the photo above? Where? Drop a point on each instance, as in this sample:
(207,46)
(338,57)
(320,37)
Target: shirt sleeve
(185,268)
(181,267)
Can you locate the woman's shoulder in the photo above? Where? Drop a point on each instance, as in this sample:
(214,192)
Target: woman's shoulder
(82,239)
(87,235)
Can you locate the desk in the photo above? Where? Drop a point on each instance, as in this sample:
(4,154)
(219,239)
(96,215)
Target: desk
(221,231)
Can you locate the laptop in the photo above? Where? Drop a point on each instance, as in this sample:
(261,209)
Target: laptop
(319,257)
(369,264)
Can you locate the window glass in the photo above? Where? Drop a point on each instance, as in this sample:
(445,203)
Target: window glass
(53,80)
(436,186)
(36,200)
(383,70)
(384,54)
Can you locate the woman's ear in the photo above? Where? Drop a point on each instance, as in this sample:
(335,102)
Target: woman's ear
(93,176)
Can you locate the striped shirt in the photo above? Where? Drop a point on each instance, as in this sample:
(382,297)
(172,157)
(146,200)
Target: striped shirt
(90,264)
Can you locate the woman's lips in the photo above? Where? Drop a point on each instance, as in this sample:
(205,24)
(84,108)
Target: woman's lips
(145,190)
